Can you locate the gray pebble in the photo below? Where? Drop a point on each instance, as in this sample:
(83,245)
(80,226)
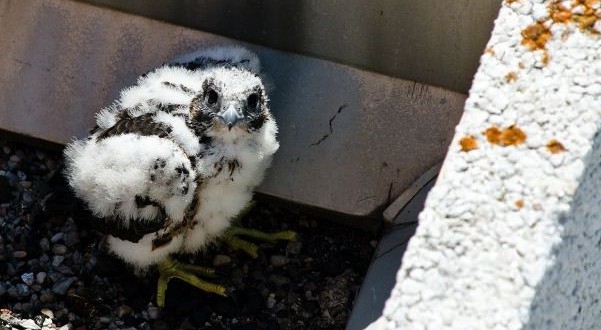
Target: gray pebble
(153,312)
(57,237)
(27,278)
(59,249)
(55,277)
(294,247)
(271,300)
(63,285)
(27,198)
(23,290)
(19,254)
(278,260)
(57,261)
(221,260)
(47,297)
(26,184)
(40,277)
(279,280)
(71,238)
(45,244)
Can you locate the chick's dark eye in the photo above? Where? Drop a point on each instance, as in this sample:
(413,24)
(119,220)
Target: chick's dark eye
(212,96)
(252,100)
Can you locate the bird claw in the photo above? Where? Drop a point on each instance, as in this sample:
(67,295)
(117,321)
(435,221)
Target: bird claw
(169,269)
(231,238)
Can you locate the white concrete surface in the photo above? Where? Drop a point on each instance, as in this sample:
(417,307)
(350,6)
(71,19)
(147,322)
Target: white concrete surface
(510,235)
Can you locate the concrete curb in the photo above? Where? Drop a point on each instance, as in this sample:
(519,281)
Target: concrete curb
(509,235)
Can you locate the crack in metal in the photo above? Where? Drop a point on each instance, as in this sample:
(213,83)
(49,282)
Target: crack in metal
(331,121)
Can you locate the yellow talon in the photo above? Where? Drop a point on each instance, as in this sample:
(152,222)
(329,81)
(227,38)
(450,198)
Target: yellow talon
(170,268)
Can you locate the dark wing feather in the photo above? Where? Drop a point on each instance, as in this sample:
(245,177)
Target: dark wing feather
(143,125)
(114,227)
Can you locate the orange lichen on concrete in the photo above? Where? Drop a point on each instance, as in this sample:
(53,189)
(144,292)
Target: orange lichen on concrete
(510,136)
(468,143)
(555,147)
(519,203)
(493,135)
(535,36)
(511,77)
(585,18)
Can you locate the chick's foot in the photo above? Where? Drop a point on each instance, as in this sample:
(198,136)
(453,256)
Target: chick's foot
(170,268)
(231,238)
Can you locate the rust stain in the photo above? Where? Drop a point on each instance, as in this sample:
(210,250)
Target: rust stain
(510,136)
(555,147)
(511,77)
(468,143)
(536,36)
(519,203)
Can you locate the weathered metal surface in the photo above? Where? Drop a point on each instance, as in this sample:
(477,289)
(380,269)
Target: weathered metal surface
(431,41)
(351,140)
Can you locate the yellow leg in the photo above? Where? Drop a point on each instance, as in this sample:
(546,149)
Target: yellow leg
(231,238)
(169,269)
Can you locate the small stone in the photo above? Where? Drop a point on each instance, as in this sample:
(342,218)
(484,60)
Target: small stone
(26,184)
(153,312)
(71,238)
(124,310)
(40,277)
(23,290)
(59,249)
(50,164)
(27,278)
(278,260)
(19,254)
(55,277)
(57,237)
(294,247)
(44,244)
(47,312)
(12,291)
(47,297)
(63,285)
(279,280)
(57,261)
(271,300)
(221,260)
(26,196)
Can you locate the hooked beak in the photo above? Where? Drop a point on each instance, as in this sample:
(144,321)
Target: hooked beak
(230,116)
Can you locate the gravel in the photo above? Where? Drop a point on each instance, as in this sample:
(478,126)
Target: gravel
(55,272)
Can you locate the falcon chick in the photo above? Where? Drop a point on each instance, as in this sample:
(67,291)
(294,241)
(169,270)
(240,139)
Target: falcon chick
(175,159)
